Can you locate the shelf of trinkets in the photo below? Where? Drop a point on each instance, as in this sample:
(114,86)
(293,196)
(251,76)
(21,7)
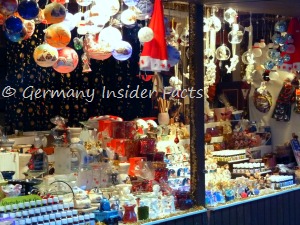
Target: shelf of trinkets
(229,155)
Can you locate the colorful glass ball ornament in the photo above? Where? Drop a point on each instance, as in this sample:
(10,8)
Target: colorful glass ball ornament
(28,9)
(67,60)
(145,34)
(100,51)
(144,9)
(286,58)
(122,50)
(273,54)
(58,35)
(54,13)
(13,24)
(16,37)
(8,7)
(45,55)
(130,2)
(173,55)
(84,2)
(223,53)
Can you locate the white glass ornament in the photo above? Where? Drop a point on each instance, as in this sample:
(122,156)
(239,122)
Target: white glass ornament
(122,50)
(214,23)
(230,15)
(145,34)
(128,17)
(256,50)
(110,34)
(262,43)
(236,35)
(70,21)
(111,7)
(223,53)
(273,75)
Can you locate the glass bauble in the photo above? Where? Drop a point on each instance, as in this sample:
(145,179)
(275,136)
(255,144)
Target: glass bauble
(248,57)
(269,64)
(223,53)
(286,58)
(230,15)
(280,26)
(235,37)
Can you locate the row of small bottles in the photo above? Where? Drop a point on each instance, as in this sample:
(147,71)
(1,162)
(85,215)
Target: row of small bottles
(51,211)
(248,167)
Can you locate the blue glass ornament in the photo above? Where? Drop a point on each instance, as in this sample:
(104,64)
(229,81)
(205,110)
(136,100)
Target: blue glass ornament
(289,38)
(269,64)
(28,9)
(276,38)
(281,40)
(280,61)
(280,26)
(13,24)
(122,51)
(15,37)
(173,56)
(273,54)
(286,58)
(283,48)
(130,2)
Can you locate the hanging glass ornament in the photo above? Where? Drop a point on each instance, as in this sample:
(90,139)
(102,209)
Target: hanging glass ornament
(122,50)
(280,61)
(273,75)
(185,37)
(262,43)
(289,38)
(236,35)
(280,26)
(230,15)
(78,43)
(273,54)
(13,24)
(8,7)
(269,64)
(290,48)
(111,35)
(144,9)
(283,48)
(286,58)
(128,17)
(16,37)
(145,34)
(256,50)
(223,53)
(248,57)
(277,39)
(214,23)
(28,9)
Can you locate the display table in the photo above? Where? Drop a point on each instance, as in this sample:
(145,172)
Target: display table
(279,208)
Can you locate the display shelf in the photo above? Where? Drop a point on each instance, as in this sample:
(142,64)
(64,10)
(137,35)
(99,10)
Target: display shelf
(255,198)
(234,175)
(173,218)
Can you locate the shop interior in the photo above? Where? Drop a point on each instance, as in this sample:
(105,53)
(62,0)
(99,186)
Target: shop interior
(139,112)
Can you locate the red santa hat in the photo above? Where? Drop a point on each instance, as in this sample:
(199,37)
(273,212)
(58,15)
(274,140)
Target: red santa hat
(154,56)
